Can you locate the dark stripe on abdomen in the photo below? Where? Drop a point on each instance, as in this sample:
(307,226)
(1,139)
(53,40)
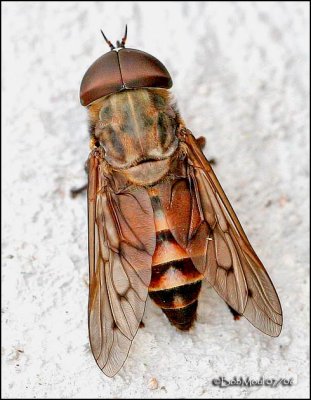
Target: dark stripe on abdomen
(175,283)
(182,318)
(173,273)
(178,296)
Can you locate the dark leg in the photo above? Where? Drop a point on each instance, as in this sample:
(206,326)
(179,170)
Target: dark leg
(75,192)
(202,143)
(212,161)
(236,315)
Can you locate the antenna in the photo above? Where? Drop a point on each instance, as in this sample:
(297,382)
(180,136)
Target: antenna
(108,41)
(119,44)
(124,37)
(122,43)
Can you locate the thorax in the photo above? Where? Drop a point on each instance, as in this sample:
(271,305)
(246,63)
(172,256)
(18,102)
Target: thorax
(137,131)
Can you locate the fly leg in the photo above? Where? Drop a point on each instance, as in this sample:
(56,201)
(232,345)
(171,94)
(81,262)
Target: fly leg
(236,315)
(74,192)
(201,141)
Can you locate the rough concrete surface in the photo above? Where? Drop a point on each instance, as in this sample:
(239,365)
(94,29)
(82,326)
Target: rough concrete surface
(240,72)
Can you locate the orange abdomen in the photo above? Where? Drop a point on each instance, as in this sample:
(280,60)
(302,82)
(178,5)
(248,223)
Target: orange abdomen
(175,282)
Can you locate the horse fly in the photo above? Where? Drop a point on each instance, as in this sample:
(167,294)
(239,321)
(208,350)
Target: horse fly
(159,221)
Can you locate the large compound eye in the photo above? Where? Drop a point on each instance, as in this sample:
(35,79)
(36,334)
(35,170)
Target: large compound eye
(140,69)
(102,78)
(125,69)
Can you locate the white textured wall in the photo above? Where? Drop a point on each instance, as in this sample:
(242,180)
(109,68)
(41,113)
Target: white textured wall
(240,72)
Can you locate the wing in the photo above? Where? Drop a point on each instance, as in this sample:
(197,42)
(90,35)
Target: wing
(218,245)
(121,244)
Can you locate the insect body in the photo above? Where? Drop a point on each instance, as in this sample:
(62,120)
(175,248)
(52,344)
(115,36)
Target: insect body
(159,221)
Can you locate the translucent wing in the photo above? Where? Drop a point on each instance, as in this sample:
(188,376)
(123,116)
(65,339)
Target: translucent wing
(218,245)
(121,244)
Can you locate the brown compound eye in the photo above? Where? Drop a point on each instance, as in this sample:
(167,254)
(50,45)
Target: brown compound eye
(140,69)
(122,69)
(102,78)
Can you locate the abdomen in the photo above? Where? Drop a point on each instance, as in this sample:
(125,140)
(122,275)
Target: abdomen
(175,282)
